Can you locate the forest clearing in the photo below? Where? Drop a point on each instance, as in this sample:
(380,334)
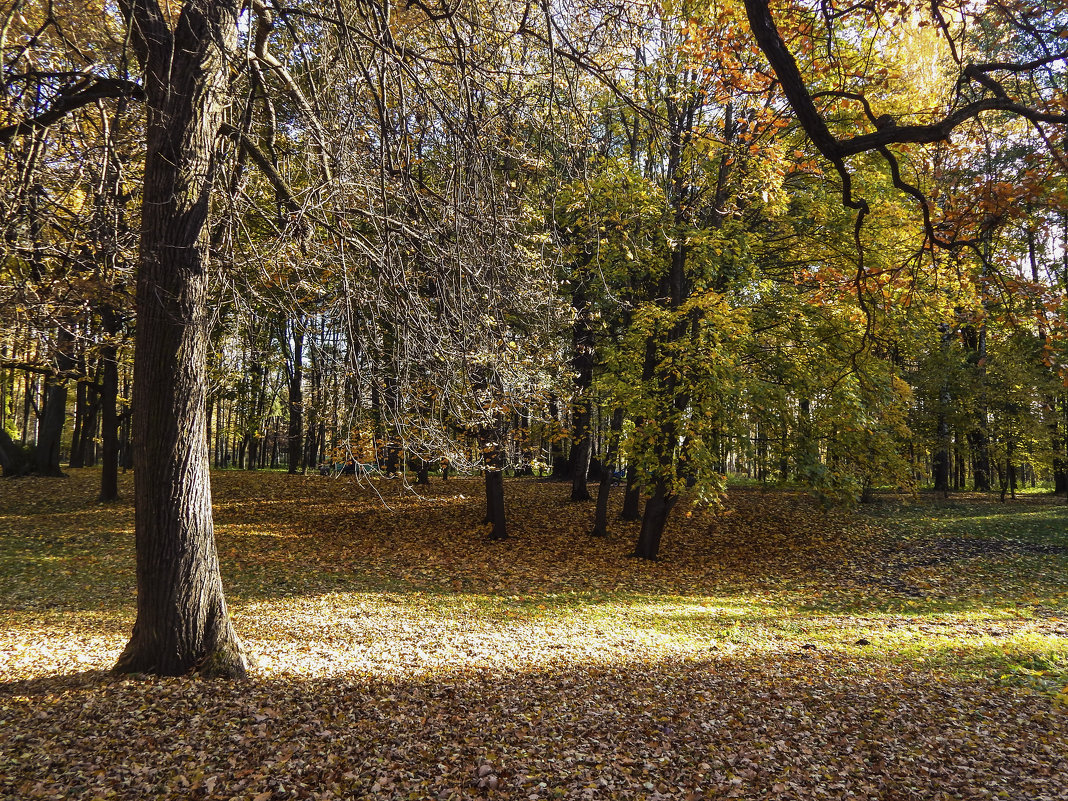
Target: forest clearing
(775,292)
(917,648)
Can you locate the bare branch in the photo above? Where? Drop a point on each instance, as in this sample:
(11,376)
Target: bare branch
(81,94)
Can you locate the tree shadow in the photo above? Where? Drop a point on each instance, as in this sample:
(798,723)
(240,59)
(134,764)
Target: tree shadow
(770,726)
(48,686)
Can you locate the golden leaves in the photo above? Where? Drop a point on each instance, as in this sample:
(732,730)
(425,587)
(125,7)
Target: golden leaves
(404,657)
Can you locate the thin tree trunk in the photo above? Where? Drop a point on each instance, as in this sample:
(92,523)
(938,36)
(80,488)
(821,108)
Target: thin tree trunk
(276,437)
(632,496)
(600,518)
(582,360)
(657,509)
(940,466)
(495,490)
(89,432)
(495,503)
(558,465)
(980,459)
(50,433)
(423,472)
(27,406)
(81,413)
(296,403)
(659,506)
(109,428)
(126,429)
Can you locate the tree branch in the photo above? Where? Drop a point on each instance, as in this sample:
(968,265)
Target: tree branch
(277,182)
(793,86)
(72,98)
(887,132)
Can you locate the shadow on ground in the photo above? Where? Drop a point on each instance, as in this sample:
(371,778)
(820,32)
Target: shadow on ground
(778,726)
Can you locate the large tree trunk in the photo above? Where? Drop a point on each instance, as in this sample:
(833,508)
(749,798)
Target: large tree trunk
(182,622)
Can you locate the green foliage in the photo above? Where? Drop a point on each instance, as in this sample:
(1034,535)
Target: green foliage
(686,397)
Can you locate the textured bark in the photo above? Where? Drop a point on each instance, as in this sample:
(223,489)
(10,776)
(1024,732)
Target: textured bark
(182,621)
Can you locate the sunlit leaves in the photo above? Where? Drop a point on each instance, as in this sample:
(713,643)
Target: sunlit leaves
(400,658)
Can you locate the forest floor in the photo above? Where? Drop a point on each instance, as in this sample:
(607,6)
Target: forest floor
(916,649)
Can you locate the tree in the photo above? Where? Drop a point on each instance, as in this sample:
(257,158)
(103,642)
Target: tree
(182,621)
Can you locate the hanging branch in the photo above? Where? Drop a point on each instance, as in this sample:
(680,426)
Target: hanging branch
(887,130)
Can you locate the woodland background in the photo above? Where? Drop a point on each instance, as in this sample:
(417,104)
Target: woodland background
(514,237)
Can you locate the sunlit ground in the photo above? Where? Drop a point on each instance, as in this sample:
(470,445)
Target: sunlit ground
(776,651)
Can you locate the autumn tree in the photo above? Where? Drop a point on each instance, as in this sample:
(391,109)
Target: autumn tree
(182,621)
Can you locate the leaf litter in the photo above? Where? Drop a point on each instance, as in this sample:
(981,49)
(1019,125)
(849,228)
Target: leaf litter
(399,655)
